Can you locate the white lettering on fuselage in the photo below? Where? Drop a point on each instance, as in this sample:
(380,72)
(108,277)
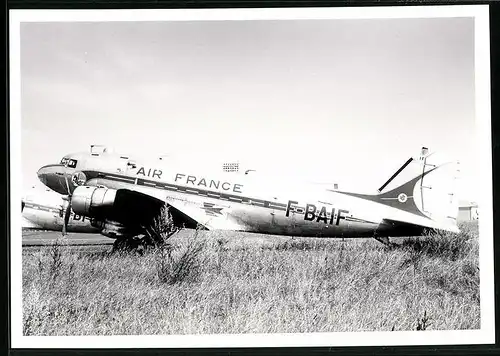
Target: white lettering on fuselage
(207,183)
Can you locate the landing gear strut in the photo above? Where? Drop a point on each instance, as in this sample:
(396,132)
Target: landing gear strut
(384,239)
(153,233)
(138,243)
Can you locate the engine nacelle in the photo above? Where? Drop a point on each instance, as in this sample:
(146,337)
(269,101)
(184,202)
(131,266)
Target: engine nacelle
(125,206)
(88,200)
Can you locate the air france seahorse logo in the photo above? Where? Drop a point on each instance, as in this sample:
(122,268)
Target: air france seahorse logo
(402,198)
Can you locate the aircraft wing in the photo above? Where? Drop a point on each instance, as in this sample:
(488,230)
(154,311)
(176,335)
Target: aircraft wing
(134,201)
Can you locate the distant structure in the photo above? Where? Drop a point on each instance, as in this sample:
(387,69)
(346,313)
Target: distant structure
(468,212)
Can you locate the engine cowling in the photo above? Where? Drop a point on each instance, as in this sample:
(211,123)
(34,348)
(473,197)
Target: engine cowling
(125,206)
(88,201)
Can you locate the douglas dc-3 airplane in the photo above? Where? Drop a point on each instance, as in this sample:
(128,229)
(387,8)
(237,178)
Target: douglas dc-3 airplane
(123,195)
(46,212)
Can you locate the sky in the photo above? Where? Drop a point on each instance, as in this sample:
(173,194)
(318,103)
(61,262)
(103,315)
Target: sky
(344,101)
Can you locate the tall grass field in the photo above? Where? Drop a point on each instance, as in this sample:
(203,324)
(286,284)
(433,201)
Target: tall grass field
(221,282)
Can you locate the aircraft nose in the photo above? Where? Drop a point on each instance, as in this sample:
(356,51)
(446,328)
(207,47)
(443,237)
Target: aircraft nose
(54,177)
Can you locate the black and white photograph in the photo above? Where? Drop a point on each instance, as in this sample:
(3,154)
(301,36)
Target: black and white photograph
(251,177)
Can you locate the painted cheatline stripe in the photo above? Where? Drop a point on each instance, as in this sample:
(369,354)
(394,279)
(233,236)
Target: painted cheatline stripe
(193,191)
(41,207)
(277,206)
(121,178)
(349,218)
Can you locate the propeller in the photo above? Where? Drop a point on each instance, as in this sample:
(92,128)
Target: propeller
(67,212)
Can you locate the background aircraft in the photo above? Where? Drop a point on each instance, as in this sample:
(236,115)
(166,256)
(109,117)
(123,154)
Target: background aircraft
(45,210)
(126,194)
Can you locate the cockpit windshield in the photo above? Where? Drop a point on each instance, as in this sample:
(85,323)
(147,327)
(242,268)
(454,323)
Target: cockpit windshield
(71,163)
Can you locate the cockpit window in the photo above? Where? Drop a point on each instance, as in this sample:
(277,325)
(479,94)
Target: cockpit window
(71,163)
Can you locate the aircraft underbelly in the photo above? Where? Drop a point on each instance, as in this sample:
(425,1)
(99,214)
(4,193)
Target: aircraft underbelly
(276,222)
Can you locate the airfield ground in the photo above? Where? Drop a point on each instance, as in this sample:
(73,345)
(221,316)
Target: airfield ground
(246,283)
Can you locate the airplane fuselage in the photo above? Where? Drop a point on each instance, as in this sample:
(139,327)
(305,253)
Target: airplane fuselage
(114,188)
(242,204)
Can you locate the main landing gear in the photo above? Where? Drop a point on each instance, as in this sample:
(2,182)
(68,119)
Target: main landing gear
(131,243)
(150,237)
(385,240)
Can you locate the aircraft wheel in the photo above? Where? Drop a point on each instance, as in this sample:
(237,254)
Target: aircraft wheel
(129,244)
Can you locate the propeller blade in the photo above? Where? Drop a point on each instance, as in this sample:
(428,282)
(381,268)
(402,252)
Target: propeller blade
(67,185)
(66,218)
(67,213)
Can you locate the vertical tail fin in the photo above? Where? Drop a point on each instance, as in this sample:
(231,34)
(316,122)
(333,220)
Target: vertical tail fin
(431,193)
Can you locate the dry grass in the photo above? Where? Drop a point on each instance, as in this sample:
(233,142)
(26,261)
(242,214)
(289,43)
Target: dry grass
(242,283)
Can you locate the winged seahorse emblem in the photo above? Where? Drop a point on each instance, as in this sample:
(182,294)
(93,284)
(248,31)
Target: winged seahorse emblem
(211,209)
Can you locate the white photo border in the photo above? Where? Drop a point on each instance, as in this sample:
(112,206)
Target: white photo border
(485,335)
